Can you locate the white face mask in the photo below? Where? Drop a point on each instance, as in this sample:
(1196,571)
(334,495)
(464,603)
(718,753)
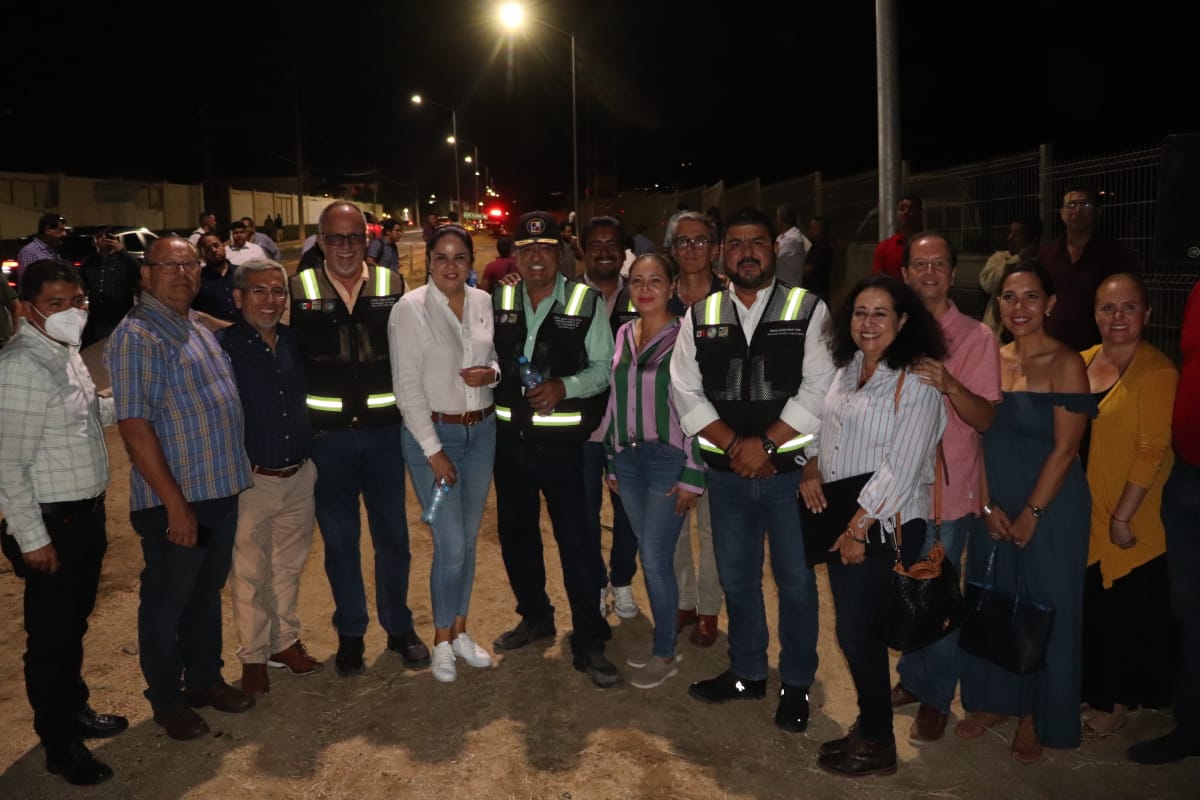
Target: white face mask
(65,326)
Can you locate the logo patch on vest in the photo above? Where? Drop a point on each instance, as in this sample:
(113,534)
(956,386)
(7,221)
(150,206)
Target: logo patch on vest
(509,318)
(306,305)
(713,332)
(329,306)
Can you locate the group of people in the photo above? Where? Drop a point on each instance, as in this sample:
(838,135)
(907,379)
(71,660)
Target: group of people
(682,388)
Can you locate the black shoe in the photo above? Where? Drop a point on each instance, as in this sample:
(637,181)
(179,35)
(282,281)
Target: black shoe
(838,745)
(76,764)
(599,669)
(98,726)
(525,633)
(792,713)
(1163,750)
(859,757)
(412,650)
(349,658)
(727,686)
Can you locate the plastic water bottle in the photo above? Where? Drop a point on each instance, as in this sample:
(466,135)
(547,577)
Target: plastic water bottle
(440,490)
(530,376)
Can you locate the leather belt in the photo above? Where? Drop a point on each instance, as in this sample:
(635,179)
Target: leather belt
(468,419)
(286,472)
(87,505)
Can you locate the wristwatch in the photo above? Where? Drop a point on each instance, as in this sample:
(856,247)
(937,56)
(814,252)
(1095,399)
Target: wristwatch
(1035,510)
(769,447)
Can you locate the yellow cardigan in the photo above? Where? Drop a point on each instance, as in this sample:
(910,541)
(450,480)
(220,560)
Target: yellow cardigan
(1131,442)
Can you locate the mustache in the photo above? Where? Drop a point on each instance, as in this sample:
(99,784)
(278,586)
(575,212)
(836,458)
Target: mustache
(749,260)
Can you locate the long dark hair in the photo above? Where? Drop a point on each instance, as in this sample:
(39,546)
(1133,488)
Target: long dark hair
(920,337)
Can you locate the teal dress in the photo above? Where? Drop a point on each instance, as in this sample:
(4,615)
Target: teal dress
(1053,566)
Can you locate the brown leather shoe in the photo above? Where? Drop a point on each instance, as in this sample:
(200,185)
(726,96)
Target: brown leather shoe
(705,632)
(254,679)
(222,697)
(295,659)
(180,722)
(685,617)
(929,726)
(860,757)
(902,697)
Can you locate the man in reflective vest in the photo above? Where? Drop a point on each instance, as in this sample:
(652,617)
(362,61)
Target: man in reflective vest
(749,376)
(340,313)
(561,327)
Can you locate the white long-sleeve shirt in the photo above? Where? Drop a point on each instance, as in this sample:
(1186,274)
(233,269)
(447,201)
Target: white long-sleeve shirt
(802,411)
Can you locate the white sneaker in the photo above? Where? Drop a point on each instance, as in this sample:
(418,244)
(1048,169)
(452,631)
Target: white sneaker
(639,660)
(623,602)
(469,651)
(655,673)
(442,666)
(604,600)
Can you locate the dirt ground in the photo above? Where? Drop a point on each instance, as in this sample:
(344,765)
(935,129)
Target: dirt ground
(532,728)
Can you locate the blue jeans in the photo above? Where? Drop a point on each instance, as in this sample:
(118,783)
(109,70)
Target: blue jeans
(179,616)
(1180,512)
(472,450)
(742,509)
(931,673)
(622,559)
(367,462)
(645,473)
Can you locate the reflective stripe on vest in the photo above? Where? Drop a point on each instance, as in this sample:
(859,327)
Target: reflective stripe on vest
(317,403)
(712,309)
(308,281)
(508,298)
(383,287)
(503,413)
(631,309)
(380,400)
(558,419)
(575,301)
(793,444)
(791,308)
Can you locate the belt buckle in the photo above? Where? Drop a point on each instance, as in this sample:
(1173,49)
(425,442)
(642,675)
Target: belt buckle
(472,418)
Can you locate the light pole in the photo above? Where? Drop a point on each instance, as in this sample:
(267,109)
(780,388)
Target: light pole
(453,139)
(512,15)
(474,162)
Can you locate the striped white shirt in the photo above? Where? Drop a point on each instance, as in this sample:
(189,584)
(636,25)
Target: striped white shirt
(51,432)
(861,431)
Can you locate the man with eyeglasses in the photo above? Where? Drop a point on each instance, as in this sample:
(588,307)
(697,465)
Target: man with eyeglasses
(1079,261)
(749,377)
(276,514)
(340,311)
(53,475)
(560,327)
(603,255)
(179,414)
(969,380)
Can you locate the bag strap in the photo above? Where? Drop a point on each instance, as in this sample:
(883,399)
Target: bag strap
(939,475)
(897,539)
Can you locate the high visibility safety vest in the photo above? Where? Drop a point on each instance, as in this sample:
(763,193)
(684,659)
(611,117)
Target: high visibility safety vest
(560,350)
(749,385)
(623,311)
(346,350)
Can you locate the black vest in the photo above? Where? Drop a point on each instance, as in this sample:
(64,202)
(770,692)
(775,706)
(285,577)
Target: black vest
(560,350)
(749,385)
(345,351)
(623,311)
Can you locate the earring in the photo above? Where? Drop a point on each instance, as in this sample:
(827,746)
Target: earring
(1047,315)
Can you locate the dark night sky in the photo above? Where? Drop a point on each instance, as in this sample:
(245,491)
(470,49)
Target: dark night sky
(667,96)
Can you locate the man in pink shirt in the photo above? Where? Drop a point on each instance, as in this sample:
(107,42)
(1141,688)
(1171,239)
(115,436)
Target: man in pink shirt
(969,380)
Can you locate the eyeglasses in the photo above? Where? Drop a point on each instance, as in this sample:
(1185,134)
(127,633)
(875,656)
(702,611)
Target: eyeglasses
(1071,205)
(344,238)
(940,265)
(186,266)
(694,242)
(276,292)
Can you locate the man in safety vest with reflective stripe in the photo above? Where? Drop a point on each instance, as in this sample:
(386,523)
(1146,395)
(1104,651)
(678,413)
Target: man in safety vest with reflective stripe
(749,377)
(561,327)
(340,313)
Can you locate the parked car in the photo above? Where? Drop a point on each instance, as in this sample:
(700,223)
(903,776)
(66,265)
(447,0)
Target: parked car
(9,248)
(80,242)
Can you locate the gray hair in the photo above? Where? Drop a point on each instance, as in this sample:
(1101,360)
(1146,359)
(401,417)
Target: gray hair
(703,219)
(241,278)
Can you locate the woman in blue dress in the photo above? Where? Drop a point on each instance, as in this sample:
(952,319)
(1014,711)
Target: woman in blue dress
(1037,514)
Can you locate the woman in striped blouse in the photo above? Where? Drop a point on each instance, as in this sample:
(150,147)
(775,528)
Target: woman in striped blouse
(877,421)
(656,466)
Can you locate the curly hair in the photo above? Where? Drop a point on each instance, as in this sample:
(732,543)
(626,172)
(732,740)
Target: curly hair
(920,337)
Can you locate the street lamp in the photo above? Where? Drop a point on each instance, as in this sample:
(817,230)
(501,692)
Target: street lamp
(474,162)
(451,139)
(512,16)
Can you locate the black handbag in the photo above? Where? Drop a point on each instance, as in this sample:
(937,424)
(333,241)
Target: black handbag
(1003,627)
(924,600)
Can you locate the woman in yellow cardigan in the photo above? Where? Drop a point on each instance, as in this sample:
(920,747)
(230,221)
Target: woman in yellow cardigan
(1127,659)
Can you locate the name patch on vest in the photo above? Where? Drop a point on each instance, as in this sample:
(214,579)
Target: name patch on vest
(568,323)
(382,302)
(785,330)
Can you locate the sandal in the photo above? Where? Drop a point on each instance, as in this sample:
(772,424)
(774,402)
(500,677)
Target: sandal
(1026,749)
(977,724)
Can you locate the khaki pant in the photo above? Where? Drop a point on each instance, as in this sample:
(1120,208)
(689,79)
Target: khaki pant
(274,533)
(703,593)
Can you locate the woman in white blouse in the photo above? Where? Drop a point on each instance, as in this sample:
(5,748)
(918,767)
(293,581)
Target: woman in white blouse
(880,421)
(443,370)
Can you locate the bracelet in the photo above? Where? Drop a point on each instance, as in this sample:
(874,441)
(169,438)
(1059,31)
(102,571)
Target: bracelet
(733,442)
(854,538)
(1122,521)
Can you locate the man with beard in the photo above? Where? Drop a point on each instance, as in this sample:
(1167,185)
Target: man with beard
(749,377)
(889,254)
(559,326)
(603,255)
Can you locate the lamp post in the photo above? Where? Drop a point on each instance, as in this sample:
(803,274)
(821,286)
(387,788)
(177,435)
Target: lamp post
(452,139)
(512,15)
(474,162)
